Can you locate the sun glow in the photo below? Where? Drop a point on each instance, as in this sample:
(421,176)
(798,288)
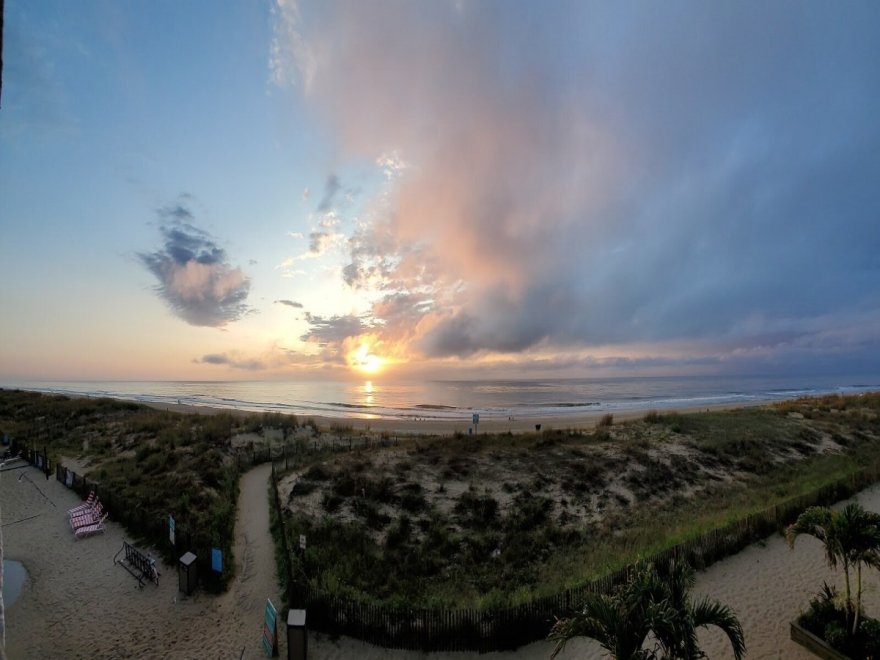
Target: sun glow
(363,360)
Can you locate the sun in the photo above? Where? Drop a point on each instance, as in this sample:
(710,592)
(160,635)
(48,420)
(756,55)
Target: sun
(365,361)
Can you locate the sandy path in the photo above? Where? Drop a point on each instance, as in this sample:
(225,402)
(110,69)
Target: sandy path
(256,579)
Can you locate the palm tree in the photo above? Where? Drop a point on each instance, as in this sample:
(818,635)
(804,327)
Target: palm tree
(851,538)
(620,622)
(680,639)
(650,603)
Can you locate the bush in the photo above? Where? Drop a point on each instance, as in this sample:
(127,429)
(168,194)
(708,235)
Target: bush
(400,533)
(302,487)
(475,510)
(331,502)
(835,635)
(869,629)
(317,473)
(529,512)
(412,498)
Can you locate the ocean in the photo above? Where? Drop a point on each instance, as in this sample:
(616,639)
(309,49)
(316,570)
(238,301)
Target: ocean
(457,399)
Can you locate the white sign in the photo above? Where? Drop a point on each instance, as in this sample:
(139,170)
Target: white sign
(302,541)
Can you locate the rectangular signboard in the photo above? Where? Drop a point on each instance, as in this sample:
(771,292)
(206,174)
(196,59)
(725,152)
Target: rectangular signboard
(270,633)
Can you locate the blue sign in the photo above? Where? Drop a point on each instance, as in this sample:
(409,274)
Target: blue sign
(217,560)
(270,632)
(171,529)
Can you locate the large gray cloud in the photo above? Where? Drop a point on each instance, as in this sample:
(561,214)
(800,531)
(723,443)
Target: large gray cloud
(195,277)
(640,173)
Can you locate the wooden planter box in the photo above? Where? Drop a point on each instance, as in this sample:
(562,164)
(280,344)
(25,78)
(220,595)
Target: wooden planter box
(815,645)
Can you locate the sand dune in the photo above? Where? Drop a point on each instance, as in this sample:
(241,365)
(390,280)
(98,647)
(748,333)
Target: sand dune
(77,604)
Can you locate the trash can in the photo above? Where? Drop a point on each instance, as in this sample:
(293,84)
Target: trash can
(297,635)
(187,573)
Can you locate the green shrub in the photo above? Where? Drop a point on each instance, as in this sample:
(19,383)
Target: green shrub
(331,502)
(821,610)
(528,512)
(475,510)
(302,487)
(412,498)
(869,629)
(835,635)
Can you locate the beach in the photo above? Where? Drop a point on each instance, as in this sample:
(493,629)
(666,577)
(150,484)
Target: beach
(77,603)
(433,426)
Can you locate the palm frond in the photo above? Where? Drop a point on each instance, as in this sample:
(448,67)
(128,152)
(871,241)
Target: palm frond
(712,613)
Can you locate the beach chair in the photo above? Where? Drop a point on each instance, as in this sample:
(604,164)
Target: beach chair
(93,510)
(88,504)
(88,530)
(87,518)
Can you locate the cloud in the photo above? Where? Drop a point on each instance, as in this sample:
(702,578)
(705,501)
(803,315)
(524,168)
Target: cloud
(230,361)
(638,175)
(290,58)
(334,329)
(289,303)
(195,278)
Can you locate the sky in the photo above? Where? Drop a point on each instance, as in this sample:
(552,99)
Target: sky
(444,189)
